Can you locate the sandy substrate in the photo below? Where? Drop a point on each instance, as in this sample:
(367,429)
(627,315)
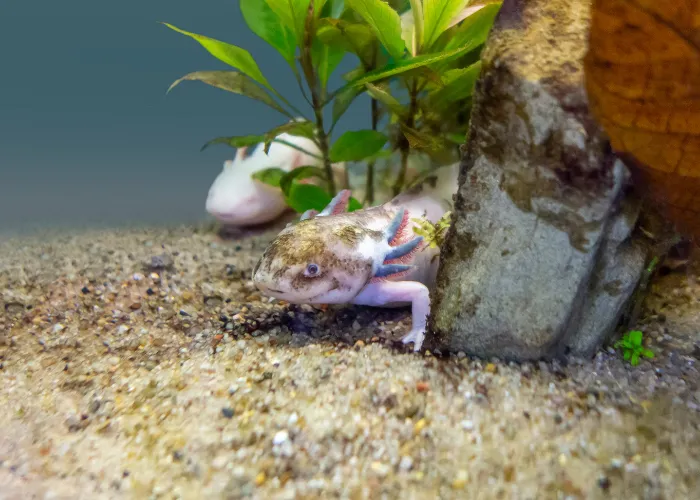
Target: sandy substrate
(144,364)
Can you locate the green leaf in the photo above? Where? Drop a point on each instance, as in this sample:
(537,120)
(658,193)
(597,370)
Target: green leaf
(635,359)
(353,205)
(263,21)
(380,94)
(393,69)
(648,353)
(303,197)
(412,27)
(270,176)
(627,354)
(459,85)
(438,16)
(351,37)
(385,23)
(635,338)
(357,145)
(300,173)
(298,128)
(422,141)
(240,141)
(292,14)
(238,83)
(325,59)
(230,54)
(474,30)
(342,102)
(336,8)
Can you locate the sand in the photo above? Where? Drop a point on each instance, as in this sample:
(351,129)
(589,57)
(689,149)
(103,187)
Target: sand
(144,364)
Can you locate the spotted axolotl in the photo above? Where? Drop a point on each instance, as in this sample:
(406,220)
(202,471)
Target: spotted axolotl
(236,199)
(367,257)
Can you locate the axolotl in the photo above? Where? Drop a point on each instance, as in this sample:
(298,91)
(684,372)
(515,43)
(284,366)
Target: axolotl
(236,199)
(367,257)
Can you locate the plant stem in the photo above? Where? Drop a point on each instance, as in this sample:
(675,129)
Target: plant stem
(317,103)
(404,145)
(323,140)
(369,190)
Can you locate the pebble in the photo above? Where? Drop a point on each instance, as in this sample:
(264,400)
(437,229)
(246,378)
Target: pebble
(406,463)
(380,469)
(227,412)
(220,462)
(467,425)
(58,327)
(280,438)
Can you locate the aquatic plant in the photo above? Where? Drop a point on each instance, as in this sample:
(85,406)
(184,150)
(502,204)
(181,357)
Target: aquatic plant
(433,234)
(422,49)
(633,347)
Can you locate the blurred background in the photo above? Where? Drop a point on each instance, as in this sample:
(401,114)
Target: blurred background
(88,136)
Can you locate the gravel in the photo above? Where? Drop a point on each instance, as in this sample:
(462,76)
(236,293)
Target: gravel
(145,364)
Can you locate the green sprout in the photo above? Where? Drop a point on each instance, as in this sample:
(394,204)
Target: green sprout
(632,347)
(433,234)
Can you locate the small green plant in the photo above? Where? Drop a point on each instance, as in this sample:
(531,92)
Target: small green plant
(429,47)
(433,234)
(633,348)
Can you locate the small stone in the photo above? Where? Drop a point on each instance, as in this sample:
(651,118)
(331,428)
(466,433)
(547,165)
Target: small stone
(419,426)
(467,425)
(490,368)
(280,438)
(219,462)
(460,482)
(422,386)
(85,290)
(58,327)
(150,292)
(604,483)
(260,479)
(135,306)
(380,469)
(406,463)
(359,344)
(187,296)
(356,325)
(227,412)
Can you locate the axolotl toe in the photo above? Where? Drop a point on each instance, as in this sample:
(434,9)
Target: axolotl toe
(368,257)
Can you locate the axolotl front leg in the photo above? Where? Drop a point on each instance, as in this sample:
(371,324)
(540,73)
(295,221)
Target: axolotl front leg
(398,293)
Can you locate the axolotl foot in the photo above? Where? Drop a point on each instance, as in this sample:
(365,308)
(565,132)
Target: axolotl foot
(415,336)
(389,293)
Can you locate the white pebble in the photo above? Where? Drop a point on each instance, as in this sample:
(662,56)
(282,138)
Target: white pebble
(280,438)
(293,419)
(467,425)
(406,463)
(220,462)
(58,327)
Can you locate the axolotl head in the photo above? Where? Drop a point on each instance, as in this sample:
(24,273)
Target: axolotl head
(235,198)
(329,257)
(323,260)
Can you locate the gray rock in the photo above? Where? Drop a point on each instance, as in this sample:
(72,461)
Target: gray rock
(538,258)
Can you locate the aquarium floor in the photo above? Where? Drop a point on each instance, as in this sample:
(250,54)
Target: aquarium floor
(144,364)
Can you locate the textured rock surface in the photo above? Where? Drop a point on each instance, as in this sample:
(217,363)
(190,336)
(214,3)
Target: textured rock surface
(538,260)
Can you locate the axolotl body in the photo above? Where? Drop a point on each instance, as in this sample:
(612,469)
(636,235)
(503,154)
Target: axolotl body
(367,257)
(237,199)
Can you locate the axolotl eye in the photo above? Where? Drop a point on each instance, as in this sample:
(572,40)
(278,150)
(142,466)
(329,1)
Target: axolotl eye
(312,270)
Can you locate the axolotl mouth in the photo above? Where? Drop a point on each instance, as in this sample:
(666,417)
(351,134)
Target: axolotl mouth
(282,295)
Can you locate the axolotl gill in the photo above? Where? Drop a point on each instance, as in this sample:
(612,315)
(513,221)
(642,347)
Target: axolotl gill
(367,257)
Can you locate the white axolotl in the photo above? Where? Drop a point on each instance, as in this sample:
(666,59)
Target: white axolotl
(236,199)
(367,257)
